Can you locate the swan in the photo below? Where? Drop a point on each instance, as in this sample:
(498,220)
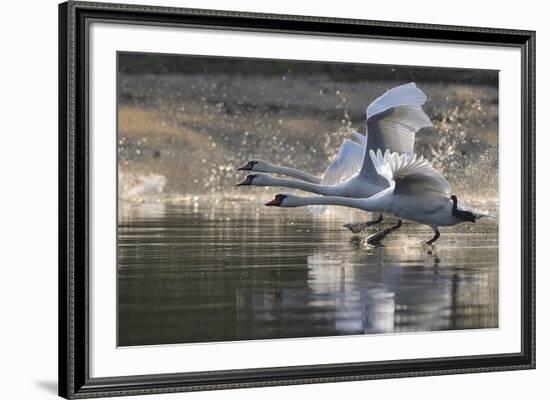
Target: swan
(415,192)
(392,122)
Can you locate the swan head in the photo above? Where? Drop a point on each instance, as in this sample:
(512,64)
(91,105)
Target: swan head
(255,165)
(256,180)
(278,201)
(287,200)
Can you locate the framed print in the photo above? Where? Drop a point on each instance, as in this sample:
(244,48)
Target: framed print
(255,200)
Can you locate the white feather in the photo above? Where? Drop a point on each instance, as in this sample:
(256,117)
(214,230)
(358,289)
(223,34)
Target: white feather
(347,162)
(360,137)
(395,129)
(404,95)
(392,122)
(409,175)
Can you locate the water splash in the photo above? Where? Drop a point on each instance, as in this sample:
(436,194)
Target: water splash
(141,188)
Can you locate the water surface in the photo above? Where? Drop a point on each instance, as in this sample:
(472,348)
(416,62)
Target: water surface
(232,270)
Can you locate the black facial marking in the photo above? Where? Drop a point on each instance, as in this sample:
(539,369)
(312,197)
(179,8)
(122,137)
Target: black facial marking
(248,167)
(247,181)
(250,178)
(277,201)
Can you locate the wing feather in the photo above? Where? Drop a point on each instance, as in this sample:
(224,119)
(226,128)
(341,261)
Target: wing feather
(362,139)
(410,174)
(404,95)
(395,128)
(347,163)
(392,122)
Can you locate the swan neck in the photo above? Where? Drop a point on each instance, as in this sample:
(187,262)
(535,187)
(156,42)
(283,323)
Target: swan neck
(302,185)
(455,206)
(367,204)
(294,173)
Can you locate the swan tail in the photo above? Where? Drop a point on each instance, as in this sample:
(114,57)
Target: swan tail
(475,213)
(479,215)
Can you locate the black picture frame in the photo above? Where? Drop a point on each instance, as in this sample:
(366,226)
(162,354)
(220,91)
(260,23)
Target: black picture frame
(74,379)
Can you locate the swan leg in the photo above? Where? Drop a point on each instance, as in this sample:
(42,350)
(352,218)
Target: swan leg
(361,226)
(377,237)
(436,236)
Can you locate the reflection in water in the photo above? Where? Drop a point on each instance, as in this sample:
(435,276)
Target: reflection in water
(233,271)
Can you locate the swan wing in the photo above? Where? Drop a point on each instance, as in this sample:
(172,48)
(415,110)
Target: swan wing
(395,129)
(362,139)
(392,122)
(347,163)
(404,95)
(409,175)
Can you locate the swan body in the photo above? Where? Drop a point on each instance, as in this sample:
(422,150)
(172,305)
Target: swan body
(416,192)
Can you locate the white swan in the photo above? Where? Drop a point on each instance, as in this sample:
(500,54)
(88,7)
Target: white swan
(416,192)
(392,122)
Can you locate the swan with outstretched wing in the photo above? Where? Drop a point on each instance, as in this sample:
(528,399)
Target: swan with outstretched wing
(415,191)
(392,122)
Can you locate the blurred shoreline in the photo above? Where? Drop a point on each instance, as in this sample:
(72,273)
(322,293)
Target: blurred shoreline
(166,64)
